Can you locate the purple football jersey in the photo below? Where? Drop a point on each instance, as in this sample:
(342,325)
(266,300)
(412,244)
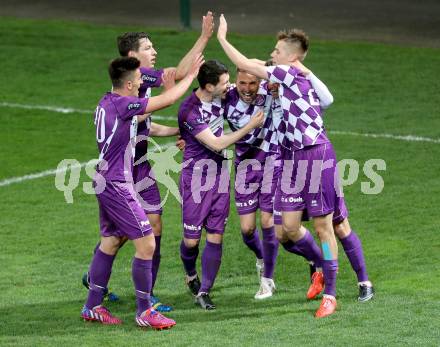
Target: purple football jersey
(195,116)
(151,78)
(302,123)
(116,127)
(259,141)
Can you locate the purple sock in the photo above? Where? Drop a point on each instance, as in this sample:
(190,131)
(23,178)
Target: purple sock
(270,251)
(156,262)
(291,247)
(99,272)
(211,260)
(141,273)
(310,248)
(305,247)
(353,248)
(96,247)
(189,257)
(253,242)
(330,270)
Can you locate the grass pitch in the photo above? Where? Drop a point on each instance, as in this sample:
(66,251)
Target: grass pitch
(46,244)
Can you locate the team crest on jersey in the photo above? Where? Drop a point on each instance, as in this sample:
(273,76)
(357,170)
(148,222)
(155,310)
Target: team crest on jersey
(148,78)
(260,100)
(134,106)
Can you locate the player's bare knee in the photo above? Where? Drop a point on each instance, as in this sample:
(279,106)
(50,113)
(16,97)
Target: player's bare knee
(248,229)
(191,243)
(214,238)
(324,232)
(342,230)
(266,220)
(148,250)
(292,230)
(110,245)
(145,246)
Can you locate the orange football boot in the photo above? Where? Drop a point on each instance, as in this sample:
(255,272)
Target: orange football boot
(327,307)
(317,285)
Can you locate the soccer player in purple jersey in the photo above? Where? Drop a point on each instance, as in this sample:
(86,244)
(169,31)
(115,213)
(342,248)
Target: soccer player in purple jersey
(121,215)
(204,181)
(350,241)
(303,141)
(260,146)
(256,173)
(139,45)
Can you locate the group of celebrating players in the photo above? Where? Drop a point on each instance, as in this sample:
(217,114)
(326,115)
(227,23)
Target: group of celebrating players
(275,113)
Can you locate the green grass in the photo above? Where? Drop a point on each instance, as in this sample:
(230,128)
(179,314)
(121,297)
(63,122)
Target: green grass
(46,244)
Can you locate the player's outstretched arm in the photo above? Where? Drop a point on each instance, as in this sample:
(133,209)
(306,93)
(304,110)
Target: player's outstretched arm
(170,96)
(236,57)
(199,45)
(220,143)
(258,61)
(160,130)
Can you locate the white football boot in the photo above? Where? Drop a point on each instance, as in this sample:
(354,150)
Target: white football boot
(267,288)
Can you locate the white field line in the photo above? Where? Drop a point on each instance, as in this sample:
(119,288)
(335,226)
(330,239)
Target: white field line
(9,181)
(409,138)
(68,110)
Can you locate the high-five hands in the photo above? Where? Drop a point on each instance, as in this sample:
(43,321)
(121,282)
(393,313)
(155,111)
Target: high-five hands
(222,28)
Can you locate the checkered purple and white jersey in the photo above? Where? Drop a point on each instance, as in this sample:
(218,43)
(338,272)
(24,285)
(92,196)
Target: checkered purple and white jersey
(302,123)
(116,125)
(151,78)
(195,116)
(238,114)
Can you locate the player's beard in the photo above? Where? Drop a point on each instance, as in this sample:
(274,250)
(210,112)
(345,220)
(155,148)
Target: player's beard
(248,99)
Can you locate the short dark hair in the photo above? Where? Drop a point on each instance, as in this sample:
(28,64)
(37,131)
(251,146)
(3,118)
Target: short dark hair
(120,68)
(130,42)
(296,37)
(210,72)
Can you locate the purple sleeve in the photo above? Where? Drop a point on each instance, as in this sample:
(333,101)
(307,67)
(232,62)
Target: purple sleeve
(264,88)
(282,74)
(194,123)
(151,78)
(132,106)
(231,97)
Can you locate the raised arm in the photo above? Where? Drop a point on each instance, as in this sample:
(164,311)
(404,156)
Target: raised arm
(219,143)
(199,46)
(235,56)
(170,96)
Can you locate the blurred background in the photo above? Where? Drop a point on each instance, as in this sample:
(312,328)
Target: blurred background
(392,21)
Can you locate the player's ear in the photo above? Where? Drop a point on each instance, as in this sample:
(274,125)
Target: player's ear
(293,56)
(131,54)
(209,87)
